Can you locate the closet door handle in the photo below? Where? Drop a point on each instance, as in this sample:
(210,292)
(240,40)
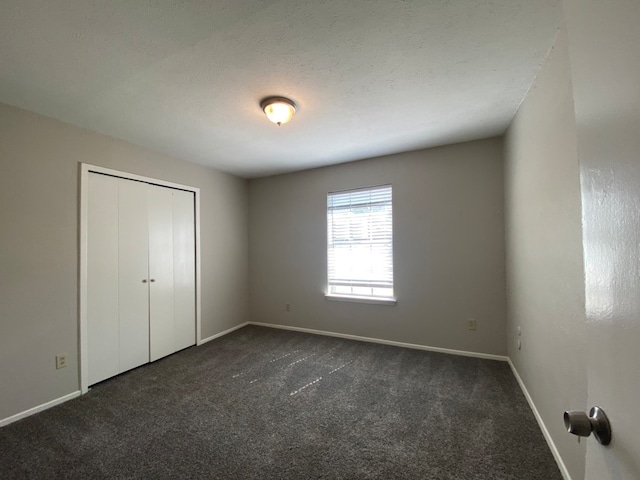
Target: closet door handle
(152,280)
(144,280)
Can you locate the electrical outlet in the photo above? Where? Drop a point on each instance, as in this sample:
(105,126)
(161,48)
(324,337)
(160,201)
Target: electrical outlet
(287,307)
(471,324)
(61,361)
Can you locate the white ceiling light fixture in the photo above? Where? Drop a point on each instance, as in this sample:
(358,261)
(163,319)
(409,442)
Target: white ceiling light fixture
(278,109)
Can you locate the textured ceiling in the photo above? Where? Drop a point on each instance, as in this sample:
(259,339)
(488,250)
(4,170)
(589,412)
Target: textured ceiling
(370,77)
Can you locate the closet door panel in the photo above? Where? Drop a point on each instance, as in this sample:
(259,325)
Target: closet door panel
(133,264)
(161,302)
(184,269)
(102,278)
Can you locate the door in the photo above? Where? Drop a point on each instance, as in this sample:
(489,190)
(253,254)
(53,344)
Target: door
(103,334)
(133,268)
(184,269)
(171,270)
(141,275)
(605,64)
(161,299)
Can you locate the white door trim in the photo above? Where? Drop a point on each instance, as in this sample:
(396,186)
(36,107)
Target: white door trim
(85,168)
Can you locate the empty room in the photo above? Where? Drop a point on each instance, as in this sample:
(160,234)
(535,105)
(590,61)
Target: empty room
(369,239)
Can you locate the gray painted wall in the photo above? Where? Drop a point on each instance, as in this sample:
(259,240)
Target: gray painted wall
(39,194)
(448,248)
(545,279)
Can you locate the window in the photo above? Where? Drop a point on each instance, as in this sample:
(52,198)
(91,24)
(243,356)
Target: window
(360,244)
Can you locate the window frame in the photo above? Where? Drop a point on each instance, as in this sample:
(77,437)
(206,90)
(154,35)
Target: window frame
(345,297)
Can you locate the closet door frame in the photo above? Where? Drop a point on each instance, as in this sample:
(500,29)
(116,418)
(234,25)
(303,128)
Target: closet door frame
(85,169)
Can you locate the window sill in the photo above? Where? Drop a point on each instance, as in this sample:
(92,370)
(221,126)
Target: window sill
(354,299)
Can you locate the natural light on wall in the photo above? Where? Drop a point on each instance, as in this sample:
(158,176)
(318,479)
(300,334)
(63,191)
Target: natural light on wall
(360,243)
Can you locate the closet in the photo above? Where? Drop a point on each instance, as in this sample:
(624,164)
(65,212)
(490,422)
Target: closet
(141,276)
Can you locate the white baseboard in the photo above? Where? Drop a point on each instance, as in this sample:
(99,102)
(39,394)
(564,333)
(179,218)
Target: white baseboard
(39,408)
(463,353)
(543,427)
(222,334)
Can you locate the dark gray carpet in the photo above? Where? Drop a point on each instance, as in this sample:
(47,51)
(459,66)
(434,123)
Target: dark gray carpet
(273,404)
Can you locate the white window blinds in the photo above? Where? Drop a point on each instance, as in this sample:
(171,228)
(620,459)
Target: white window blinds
(360,242)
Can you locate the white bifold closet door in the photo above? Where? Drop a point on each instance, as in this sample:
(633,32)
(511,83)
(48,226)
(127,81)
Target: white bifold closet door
(140,274)
(133,268)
